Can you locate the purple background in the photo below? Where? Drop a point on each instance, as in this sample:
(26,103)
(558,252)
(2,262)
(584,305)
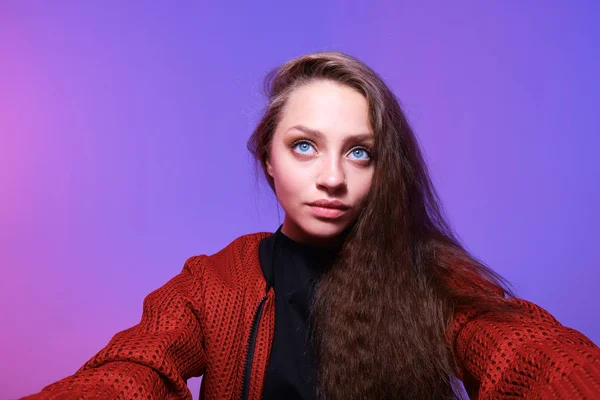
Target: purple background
(122,148)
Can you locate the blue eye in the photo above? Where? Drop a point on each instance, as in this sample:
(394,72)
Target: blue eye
(358,152)
(303,147)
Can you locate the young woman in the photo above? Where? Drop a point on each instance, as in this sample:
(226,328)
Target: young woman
(362,293)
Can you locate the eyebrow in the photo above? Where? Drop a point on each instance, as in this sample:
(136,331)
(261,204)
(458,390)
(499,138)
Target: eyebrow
(319,135)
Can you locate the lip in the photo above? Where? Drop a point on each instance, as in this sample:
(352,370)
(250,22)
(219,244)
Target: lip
(328,208)
(326,212)
(334,204)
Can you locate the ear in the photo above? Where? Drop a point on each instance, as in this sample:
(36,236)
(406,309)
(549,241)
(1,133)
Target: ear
(269,167)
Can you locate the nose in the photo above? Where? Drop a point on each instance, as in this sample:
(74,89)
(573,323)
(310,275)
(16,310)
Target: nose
(331,175)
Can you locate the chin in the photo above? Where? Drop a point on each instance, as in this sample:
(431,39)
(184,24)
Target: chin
(322,229)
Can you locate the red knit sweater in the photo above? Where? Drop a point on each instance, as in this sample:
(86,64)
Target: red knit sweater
(200,322)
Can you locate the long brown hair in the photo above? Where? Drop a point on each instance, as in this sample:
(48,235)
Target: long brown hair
(381,313)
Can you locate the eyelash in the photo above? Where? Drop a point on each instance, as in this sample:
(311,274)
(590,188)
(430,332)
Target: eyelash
(367,151)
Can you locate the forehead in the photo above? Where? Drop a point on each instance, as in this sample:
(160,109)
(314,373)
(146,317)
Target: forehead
(329,107)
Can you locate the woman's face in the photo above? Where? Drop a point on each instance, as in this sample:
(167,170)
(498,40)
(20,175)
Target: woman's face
(321,152)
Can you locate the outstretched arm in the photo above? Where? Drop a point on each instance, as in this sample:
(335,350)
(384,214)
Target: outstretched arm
(152,359)
(525,355)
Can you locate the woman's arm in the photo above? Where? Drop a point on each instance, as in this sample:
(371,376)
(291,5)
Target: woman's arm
(525,355)
(152,359)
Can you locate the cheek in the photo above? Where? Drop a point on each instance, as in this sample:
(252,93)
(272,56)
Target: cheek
(289,181)
(364,185)
(288,184)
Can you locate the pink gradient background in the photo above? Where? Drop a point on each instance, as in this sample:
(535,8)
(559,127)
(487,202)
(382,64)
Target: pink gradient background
(122,148)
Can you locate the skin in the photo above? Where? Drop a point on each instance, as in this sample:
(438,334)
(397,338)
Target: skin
(335,164)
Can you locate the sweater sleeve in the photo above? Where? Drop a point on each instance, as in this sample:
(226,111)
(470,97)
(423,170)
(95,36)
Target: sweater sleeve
(527,354)
(152,359)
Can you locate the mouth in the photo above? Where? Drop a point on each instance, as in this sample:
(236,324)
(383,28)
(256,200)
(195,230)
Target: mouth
(325,203)
(327,212)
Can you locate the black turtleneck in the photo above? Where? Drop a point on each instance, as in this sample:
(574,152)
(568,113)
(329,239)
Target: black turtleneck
(293,269)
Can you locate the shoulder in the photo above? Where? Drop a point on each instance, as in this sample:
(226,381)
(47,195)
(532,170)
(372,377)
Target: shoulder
(238,252)
(242,245)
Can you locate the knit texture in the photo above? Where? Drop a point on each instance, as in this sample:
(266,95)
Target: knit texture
(199,322)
